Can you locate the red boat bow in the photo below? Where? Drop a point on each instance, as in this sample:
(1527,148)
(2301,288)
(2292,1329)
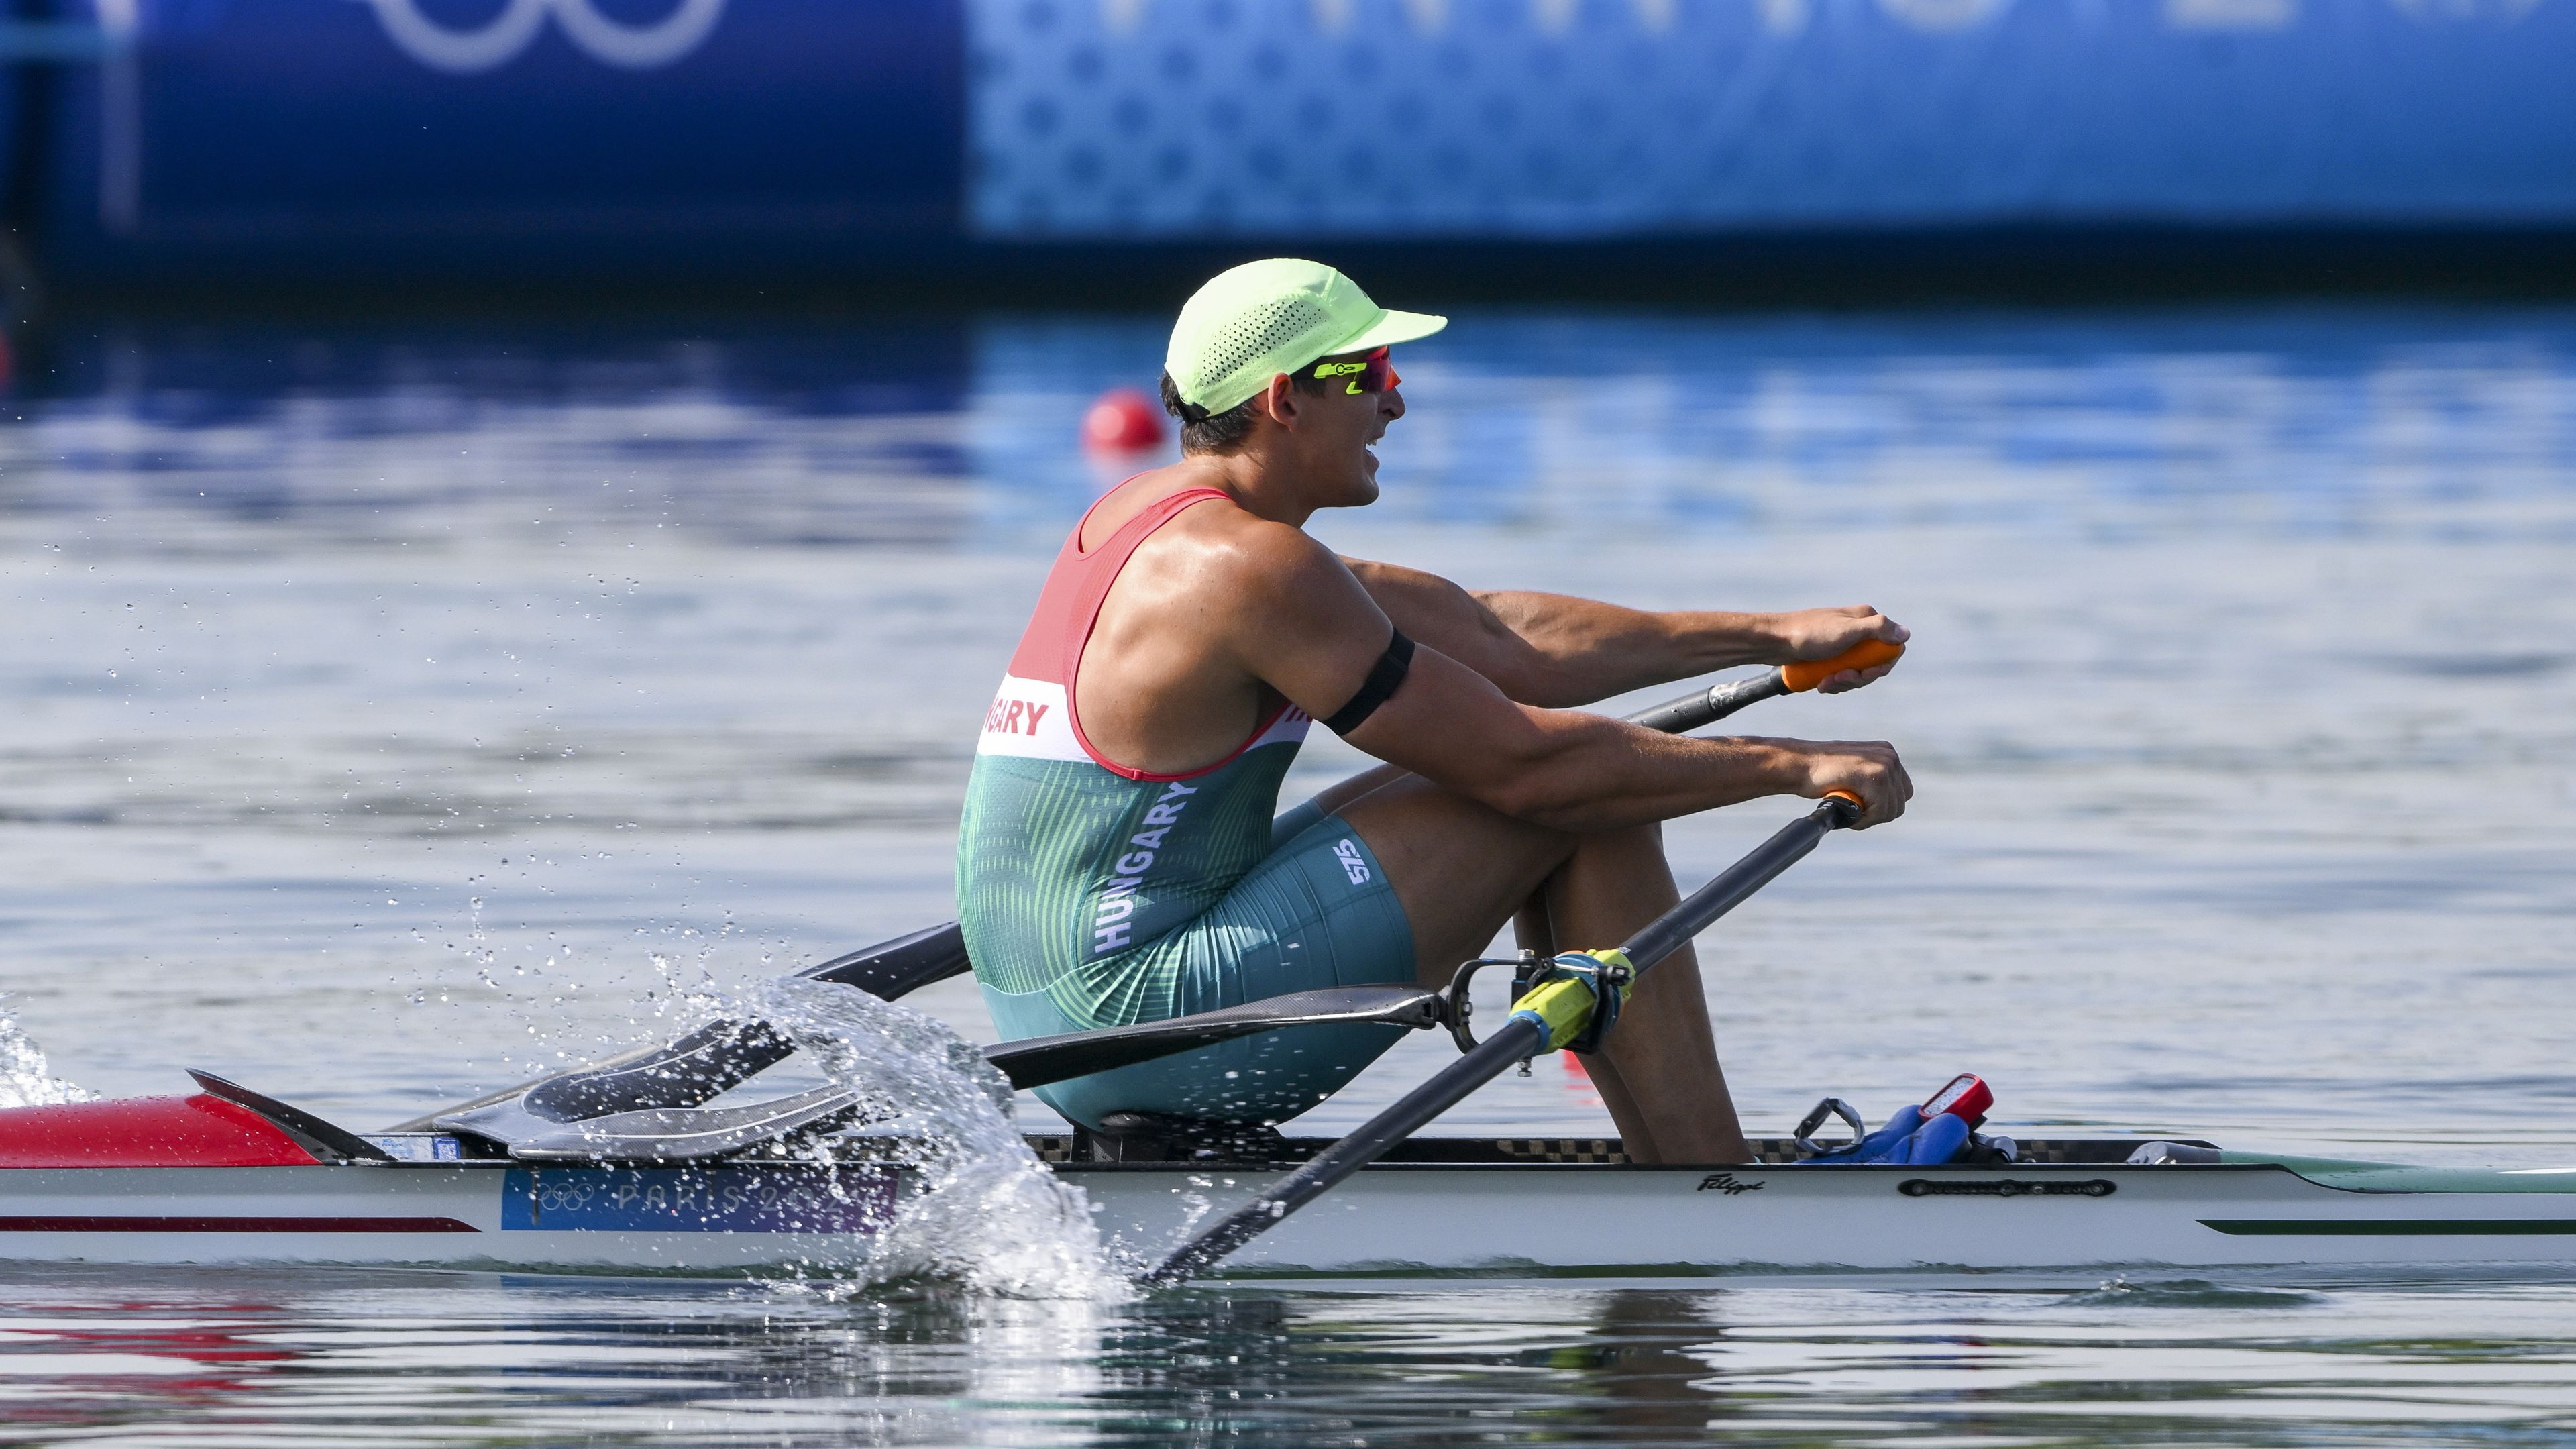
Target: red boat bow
(198,1131)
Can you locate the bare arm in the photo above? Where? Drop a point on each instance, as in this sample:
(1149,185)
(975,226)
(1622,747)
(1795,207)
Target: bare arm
(1583,772)
(1319,631)
(1560,652)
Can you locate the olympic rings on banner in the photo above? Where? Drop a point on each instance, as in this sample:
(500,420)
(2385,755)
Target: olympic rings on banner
(500,40)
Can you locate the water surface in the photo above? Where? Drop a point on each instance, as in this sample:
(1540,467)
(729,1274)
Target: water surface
(391,712)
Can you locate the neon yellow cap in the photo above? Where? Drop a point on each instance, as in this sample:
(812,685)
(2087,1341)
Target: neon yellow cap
(1253,322)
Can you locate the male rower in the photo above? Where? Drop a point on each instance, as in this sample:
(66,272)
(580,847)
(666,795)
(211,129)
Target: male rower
(1119,862)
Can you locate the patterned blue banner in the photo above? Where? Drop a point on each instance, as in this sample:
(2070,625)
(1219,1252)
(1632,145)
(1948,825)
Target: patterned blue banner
(1588,118)
(359,139)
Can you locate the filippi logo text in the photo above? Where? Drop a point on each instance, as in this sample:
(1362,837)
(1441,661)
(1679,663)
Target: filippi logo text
(1729,1183)
(473,49)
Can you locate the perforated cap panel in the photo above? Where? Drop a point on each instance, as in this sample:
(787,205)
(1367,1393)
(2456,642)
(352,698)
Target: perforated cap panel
(1273,329)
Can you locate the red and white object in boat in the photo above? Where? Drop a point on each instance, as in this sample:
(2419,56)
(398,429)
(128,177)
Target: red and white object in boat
(1965,1097)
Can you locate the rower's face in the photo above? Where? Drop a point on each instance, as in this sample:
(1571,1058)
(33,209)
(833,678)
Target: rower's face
(1343,424)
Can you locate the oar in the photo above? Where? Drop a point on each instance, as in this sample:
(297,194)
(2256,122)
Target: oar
(722,1055)
(687,1134)
(1547,1017)
(1037,1061)
(1708,706)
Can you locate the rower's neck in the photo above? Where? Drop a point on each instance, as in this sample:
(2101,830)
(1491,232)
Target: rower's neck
(1259,482)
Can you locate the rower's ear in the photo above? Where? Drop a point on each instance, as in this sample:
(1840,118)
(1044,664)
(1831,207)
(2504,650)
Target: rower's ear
(1279,401)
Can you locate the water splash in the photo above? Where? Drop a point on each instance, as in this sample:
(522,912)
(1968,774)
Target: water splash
(25,1079)
(989,1215)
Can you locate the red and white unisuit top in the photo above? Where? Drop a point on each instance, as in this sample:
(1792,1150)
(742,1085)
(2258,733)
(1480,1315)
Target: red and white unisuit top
(1067,861)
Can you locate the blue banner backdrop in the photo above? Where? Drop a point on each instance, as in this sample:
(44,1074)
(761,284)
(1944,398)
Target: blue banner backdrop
(575,136)
(1617,118)
(522,132)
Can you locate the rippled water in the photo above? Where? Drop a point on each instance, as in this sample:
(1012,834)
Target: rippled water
(389,712)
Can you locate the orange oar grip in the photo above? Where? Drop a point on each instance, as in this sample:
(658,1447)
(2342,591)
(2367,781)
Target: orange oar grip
(1857,803)
(1867,654)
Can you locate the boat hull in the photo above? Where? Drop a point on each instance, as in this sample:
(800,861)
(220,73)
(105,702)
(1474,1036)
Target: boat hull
(1402,1218)
(1614,1219)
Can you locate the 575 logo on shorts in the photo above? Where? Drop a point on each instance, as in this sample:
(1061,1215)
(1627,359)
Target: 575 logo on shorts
(1353,864)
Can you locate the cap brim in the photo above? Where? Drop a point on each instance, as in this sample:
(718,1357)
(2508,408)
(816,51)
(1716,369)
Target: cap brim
(1390,329)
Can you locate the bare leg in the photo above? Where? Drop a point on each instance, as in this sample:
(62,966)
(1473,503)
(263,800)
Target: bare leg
(1531,927)
(1615,883)
(1535,932)
(1461,870)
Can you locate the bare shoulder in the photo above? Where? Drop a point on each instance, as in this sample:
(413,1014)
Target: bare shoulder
(1243,555)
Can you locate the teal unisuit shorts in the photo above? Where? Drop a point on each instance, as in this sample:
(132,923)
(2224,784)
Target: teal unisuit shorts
(1315,912)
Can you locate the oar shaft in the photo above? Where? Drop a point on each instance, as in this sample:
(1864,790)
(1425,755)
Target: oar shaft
(1455,1083)
(1708,706)
(1039,1061)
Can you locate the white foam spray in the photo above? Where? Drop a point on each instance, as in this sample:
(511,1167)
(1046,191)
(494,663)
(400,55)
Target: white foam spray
(989,1216)
(25,1079)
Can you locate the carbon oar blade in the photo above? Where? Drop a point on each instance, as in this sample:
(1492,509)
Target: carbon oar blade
(703,1065)
(698,1067)
(905,964)
(1520,1037)
(1037,1061)
(689,1134)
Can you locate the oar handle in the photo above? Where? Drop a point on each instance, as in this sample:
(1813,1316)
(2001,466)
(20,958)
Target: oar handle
(1708,706)
(1806,674)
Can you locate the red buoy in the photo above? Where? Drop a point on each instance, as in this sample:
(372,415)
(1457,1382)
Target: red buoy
(1122,420)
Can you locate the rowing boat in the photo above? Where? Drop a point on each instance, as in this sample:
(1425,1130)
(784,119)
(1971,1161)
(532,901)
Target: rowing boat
(236,1188)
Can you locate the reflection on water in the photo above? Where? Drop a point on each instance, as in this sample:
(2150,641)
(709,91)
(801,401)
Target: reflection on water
(390,712)
(347,1358)
(953,434)
(251,440)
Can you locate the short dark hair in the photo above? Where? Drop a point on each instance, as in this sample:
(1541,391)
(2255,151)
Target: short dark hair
(1224,432)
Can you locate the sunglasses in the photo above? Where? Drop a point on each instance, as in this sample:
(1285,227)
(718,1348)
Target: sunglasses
(1374,372)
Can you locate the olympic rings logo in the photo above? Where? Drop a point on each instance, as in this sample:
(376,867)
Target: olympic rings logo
(500,40)
(555,1195)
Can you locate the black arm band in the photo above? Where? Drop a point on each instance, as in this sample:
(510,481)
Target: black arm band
(1384,678)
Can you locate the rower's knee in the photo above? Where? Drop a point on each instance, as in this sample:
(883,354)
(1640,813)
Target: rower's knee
(1625,843)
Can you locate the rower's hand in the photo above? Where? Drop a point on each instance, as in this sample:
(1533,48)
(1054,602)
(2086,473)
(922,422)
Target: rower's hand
(1824,633)
(1867,768)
